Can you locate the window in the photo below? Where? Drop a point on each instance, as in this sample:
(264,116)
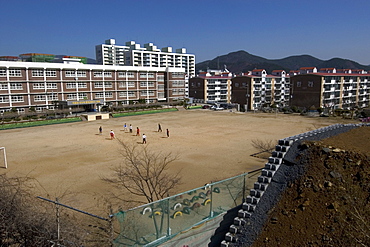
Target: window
(299,84)
(40,109)
(17,98)
(21,110)
(121,74)
(82,95)
(37,73)
(16,86)
(146,84)
(51,86)
(71,85)
(178,83)
(150,75)
(3,86)
(107,74)
(15,73)
(4,99)
(160,77)
(53,97)
(108,84)
(98,84)
(70,73)
(81,73)
(129,94)
(38,85)
(108,94)
(82,85)
(99,95)
(71,96)
(51,73)
(177,75)
(143,75)
(179,91)
(147,93)
(98,74)
(310,84)
(160,87)
(130,75)
(39,97)
(2,72)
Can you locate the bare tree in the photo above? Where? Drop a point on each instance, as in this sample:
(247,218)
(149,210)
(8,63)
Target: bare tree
(144,173)
(26,221)
(263,145)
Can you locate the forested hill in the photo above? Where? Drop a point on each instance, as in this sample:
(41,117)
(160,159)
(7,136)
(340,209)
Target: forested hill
(242,61)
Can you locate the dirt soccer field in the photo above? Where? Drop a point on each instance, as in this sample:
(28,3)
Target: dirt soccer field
(69,160)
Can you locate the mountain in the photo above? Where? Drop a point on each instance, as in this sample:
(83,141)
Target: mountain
(242,61)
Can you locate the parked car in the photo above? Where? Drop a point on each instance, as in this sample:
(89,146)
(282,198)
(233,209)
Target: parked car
(219,108)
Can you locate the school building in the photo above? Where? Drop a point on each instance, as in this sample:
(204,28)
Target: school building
(45,85)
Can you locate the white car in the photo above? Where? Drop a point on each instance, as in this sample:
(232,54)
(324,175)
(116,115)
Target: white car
(219,108)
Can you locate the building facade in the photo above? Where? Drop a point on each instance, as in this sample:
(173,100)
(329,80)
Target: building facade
(132,54)
(41,85)
(257,89)
(110,54)
(211,87)
(330,88)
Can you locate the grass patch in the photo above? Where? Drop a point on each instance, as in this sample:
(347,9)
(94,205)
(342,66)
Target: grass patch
(195,107)
(38,123)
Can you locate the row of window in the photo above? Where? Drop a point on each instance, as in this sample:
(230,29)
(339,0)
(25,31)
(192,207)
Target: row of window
(74,96)
(83,73)
(73,85)
(309,84)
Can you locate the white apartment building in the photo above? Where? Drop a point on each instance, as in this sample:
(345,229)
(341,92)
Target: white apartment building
(257,89)
(110,54)
(132,54)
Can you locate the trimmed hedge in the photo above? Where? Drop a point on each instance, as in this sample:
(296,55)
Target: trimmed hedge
(126,114)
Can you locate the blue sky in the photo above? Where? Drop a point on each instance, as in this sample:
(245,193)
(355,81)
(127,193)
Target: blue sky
(207,28)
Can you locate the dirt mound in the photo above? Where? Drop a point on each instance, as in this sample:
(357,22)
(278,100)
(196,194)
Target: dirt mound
(330,204)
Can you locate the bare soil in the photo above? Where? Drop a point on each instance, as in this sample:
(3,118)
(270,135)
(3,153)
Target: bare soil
(330,204)
(69,160)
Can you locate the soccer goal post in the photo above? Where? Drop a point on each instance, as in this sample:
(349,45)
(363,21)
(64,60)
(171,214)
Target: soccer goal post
(2,151)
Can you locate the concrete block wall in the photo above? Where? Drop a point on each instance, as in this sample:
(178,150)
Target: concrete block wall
(271,167)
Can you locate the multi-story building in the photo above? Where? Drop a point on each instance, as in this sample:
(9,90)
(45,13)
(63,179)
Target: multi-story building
(330,88)
(213,86)
(132,54)
(110,54)
(41,85)
(256,89)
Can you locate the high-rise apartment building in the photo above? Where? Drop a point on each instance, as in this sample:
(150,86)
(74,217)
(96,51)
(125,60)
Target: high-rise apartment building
(132,54)
(110,54)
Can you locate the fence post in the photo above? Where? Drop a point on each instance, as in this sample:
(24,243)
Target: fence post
(245,177)
(58,219)
(211,203)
